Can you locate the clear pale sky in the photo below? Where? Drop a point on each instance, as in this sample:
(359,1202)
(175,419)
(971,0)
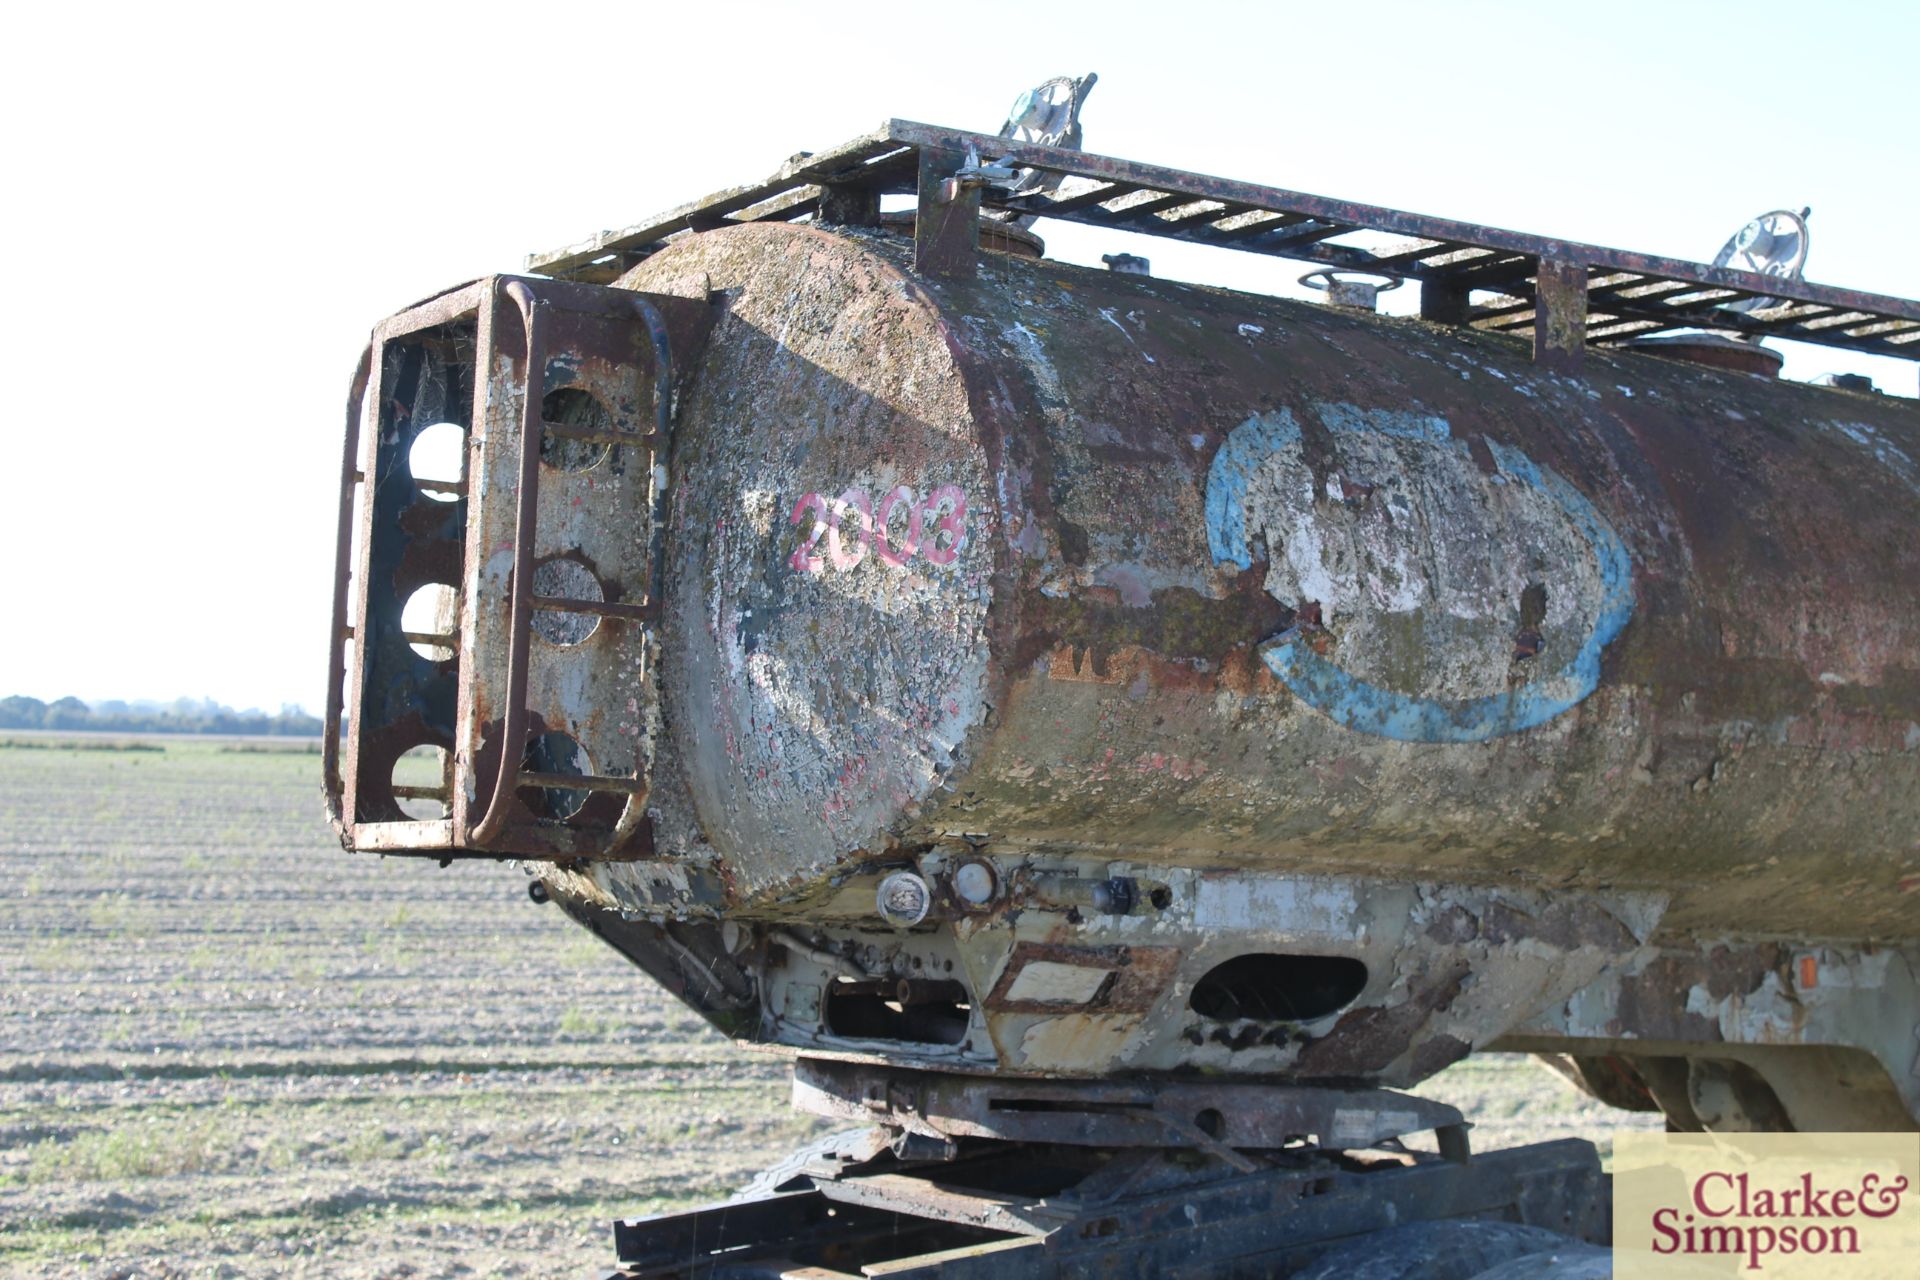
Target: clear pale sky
(208,208)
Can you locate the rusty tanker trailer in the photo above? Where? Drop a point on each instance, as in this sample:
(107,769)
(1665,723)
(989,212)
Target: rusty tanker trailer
(1025,692)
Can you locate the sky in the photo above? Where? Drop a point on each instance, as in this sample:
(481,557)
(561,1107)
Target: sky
(210,206)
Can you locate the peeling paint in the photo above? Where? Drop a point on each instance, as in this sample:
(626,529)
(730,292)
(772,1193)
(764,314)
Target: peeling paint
(1433,532)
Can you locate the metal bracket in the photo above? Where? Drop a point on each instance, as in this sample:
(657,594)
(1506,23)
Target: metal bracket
(1444,303)
(1560,321)
(946,229)
(1198,1116)
(849,205)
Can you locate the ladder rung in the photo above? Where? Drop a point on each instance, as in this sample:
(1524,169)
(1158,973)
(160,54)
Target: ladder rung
(430,638)
(583,782)
(419,793)
(458,488)
(639,439)
(605,608)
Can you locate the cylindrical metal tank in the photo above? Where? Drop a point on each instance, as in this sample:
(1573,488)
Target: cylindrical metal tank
(1079,561)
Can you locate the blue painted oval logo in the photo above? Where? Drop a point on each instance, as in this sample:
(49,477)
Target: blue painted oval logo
(1417,555)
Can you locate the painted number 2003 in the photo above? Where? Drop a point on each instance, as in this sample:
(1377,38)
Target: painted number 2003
(933,529)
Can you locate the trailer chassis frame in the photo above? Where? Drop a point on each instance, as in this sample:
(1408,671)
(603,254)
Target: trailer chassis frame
(978,1177)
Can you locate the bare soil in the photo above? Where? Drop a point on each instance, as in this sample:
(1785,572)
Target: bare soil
(229,1049)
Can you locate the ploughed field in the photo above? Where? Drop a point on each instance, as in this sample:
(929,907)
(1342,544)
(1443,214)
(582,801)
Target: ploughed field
(227,1048)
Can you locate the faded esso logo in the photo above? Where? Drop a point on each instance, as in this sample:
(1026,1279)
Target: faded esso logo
(896,529)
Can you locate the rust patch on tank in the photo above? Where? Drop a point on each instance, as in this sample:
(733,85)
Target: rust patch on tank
(1179,624)
(1133,978)
(1655,1003)
(1365,1041)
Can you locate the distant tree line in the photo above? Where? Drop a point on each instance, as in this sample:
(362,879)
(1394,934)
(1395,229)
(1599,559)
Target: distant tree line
(183,715)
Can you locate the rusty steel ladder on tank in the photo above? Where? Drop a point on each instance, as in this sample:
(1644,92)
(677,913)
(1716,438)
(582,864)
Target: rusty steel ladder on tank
(484,815)
(534,429)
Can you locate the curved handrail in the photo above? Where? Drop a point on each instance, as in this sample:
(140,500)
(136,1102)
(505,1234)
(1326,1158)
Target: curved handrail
(513,735)
(662,363)
(343,551)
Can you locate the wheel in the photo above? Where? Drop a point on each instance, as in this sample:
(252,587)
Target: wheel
(1454,1249)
